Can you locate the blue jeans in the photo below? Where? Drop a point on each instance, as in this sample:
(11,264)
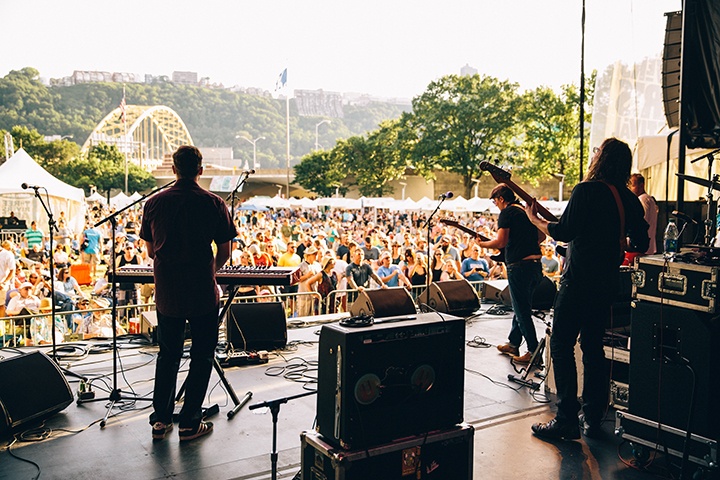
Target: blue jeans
(171,336)
(523,277)
(581,310)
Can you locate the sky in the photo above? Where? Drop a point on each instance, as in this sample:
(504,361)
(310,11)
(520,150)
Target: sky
(386,48)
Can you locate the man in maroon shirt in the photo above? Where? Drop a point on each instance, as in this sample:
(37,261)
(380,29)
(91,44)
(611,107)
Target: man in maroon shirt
(179,226)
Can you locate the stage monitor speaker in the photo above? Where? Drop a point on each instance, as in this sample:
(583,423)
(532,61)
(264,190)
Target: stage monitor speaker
(456,297)
(33,388)
(543,296)
(671,68)
(390,380)
(497,291)
(669,346)
(257,326)
(383,302)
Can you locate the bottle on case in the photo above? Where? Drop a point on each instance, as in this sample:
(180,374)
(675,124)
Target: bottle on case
(670,240)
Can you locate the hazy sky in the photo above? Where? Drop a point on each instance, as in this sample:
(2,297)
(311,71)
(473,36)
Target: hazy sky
(390,48)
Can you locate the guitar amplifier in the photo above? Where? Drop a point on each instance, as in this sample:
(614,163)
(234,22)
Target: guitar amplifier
(390,380)
(680,284)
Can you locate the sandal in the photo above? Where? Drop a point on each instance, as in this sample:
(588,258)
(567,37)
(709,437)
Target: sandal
(192,433)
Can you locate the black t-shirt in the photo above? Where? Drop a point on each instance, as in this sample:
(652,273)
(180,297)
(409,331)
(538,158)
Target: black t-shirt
(591,223)
(523,238)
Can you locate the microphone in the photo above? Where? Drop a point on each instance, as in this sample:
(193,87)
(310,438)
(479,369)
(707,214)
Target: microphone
(445,196)
(25,186)
(684,216)
(249,172)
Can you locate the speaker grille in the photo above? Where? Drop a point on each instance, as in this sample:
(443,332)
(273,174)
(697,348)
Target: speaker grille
(671,68)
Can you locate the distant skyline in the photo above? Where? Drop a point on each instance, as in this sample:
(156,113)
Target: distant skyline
(389,49)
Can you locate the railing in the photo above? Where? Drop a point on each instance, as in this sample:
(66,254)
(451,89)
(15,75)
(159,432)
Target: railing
(12,328)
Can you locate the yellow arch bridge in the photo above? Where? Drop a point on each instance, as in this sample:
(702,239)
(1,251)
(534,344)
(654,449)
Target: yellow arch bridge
(145,135)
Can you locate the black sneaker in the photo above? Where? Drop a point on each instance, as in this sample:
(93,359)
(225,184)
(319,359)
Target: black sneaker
(192,433)
(589,429)
(557,430)
(160,429)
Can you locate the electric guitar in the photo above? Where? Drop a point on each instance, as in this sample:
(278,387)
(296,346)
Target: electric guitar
(503,176)
(500,257)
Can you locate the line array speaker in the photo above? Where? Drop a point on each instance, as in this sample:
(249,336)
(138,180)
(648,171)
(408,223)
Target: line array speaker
(383,302)
(33,388)
(257,326)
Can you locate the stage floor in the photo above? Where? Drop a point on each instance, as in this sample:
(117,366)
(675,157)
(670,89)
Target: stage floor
(71,444)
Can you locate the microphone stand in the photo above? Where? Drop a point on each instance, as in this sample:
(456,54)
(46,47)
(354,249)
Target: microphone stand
(52,228)
(116,394)
(241,181)
(428,271)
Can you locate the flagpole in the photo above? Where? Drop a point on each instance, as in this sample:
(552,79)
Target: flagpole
(124,107)
(287,141)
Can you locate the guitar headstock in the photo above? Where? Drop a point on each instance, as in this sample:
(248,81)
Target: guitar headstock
(497,173)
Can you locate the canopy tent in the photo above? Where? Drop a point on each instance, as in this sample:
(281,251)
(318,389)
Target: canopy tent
(21,168)
(120,201)
(135,197)
(651,160)
(96,198)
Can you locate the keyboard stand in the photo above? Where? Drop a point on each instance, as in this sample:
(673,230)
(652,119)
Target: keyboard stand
(218,368)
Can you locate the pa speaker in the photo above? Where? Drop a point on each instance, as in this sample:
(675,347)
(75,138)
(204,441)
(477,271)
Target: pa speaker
(390,380)
(456,297)
(673,367)
(672,54)
(33,388)
(383,302)
(543,296)
(497,291)
(257,326)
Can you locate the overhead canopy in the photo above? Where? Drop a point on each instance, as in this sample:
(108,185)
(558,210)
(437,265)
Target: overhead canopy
(21,168)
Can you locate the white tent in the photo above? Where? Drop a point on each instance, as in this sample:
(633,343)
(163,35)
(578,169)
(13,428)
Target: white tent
(96,197)
(21,168)
(120,201)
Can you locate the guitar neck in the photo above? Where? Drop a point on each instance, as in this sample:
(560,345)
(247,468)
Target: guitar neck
(544,212)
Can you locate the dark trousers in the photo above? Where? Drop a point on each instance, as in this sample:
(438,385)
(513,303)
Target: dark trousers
(171,336)
(523,277)
(581,310)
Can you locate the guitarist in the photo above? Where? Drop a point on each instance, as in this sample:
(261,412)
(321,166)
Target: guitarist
(520,239)
(601,218)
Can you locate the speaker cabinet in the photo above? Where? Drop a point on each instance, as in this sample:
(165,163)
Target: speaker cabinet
(390,380)
(670,345)
(497,291)
(456,297)
(383,302)
(543,296)
(257,326)
(33,388)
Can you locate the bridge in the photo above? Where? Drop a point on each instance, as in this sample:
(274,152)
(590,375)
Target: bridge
(146,136)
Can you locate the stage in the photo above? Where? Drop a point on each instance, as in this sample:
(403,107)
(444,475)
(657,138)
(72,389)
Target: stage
(71,444)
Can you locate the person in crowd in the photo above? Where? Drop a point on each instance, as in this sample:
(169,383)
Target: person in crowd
(650,207)
(290,259)
(408,262)
(179,226)
(359,273)
(475,269)
(64,234)
(520,240)
(450,271)
(67,284)
(592,224)
(309,267)
(61,258)
(390,274)
(126,291)
(99,323)
(33,236)
(436,264)
(246,260)
(25,303)
(371,252)
(550,263)
(325,282)
(7,271)
(395,253)
(418,273)
(91,248)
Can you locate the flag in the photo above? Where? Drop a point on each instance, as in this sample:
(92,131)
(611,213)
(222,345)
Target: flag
(122,107)
(281,81)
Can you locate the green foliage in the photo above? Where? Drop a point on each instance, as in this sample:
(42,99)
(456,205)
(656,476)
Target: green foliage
(321,172)
(462,120)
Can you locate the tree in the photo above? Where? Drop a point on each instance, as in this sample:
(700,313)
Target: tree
(380,161)
(321,172)
(462,120)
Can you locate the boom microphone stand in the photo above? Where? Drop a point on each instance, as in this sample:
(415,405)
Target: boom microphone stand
(116,394)
(428,270)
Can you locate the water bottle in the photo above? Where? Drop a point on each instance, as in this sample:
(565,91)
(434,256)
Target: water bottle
(670,240)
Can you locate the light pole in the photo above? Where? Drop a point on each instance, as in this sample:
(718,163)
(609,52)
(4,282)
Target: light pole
(561,179)
(254,144)
(476,181)
(404,184)
(317,143)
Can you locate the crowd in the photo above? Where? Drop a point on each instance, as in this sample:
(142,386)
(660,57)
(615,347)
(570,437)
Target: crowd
(337,252)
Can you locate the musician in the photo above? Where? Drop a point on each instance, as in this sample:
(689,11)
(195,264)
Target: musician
(179,226)
(591,223)
(520,239)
